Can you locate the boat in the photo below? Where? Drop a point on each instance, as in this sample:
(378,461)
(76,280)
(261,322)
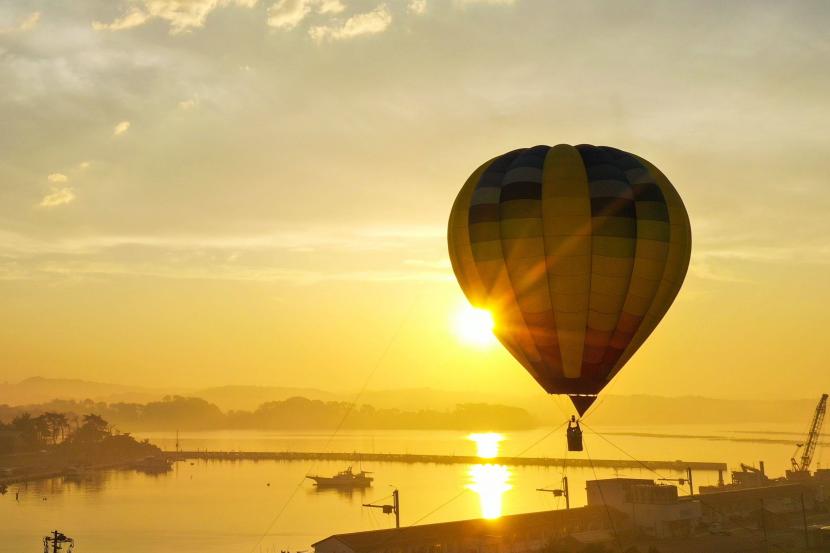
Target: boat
(344,479)
(153,465)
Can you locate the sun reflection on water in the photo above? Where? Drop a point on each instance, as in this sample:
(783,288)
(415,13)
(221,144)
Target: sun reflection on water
(489,481)
(487,444)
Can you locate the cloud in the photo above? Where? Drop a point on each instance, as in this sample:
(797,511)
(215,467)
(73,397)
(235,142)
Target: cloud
(330,6)
(134,18)
(330,238)
(30,22)
(418,7)
(58,196)
(57,177)
(121,128)
(231,257)
(27,24)
(84,165)
(190,103)
(369,23)
(287,14)
(490,2)
(181,15)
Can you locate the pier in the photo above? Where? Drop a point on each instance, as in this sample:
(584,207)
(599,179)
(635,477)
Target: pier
(355,457)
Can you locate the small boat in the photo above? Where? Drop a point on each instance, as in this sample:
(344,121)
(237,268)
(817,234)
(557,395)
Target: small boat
(153,465)
(344,479)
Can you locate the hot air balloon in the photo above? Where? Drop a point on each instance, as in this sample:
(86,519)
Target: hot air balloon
(577,252)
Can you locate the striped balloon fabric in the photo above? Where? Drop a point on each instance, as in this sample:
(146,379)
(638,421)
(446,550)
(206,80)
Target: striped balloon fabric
(577,252)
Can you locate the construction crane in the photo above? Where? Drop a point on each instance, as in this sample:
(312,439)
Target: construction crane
(809,446)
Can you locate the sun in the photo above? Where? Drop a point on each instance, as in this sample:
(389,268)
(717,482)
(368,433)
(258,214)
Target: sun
(474,326)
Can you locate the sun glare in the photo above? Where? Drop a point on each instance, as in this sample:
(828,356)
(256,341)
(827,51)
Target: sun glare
(487,444)
(490,482)
(474,326)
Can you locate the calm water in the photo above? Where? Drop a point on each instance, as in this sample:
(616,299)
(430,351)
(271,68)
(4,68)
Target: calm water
(235,506)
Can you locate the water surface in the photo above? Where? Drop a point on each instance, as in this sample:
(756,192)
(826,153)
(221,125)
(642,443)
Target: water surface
(248,506)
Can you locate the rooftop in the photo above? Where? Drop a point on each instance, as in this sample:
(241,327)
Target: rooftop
(574,518)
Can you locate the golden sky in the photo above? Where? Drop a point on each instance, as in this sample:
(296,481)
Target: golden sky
(214,192)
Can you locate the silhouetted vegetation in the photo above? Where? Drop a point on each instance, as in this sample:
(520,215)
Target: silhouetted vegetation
(67,438)
(188,413)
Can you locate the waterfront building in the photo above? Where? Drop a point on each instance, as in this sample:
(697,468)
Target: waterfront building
(654,509)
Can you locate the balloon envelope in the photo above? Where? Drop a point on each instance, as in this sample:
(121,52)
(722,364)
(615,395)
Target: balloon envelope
(577,251)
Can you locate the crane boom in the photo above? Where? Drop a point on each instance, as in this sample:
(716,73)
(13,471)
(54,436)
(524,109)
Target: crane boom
(812,437)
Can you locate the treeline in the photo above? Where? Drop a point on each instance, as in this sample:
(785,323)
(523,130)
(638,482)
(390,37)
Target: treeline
(298,413)
(83,439)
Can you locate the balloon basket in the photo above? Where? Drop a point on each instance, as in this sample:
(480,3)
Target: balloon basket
(574,435)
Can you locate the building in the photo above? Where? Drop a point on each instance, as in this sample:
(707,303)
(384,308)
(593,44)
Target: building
(523,533)
(654,509)
(781,503)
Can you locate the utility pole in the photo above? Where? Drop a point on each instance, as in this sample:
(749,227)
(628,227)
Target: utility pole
(394,508)
(55,539)
(560,492)
(396,503)
(682,481)
(691,485)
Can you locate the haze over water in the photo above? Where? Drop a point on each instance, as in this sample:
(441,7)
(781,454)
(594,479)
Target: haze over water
(228,506)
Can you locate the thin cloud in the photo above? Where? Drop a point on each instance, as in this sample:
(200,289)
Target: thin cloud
(181,16)
(221,257)
(330,6)
(418,7)
(313,239)
(188,104)
(287,14)
(368,23)
(58,196)
(57,177)
(85,269)
(121,128)
(134,18)
(489,2)
(27,24)
(30,22)
(84,165)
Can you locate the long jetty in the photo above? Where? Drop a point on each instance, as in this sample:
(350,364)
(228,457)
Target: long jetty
(440,459)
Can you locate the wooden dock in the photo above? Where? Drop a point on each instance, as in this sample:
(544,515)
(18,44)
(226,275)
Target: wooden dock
(355,457)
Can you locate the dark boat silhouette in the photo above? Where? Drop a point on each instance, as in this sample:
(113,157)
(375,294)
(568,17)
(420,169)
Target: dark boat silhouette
(345,479)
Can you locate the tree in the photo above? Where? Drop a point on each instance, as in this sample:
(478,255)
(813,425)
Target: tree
(57,425)
(92,430)
(32,430)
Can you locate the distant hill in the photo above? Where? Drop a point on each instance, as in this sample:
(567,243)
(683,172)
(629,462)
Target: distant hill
(38,389)
(655,410)
(239,398)
(610,409)
(412,399)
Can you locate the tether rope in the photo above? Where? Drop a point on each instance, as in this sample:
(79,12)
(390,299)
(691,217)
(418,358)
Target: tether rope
(340,424)
(604,504)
